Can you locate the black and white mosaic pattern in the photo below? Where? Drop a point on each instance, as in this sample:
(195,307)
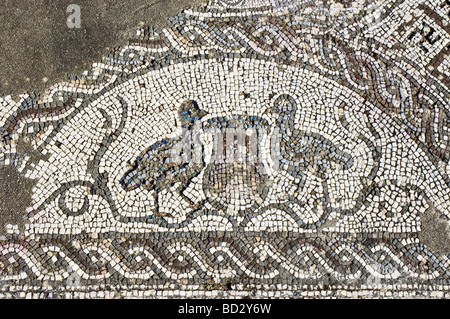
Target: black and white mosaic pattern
(255,149)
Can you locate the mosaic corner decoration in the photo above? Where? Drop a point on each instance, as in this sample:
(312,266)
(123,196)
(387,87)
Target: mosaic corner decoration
(255,149)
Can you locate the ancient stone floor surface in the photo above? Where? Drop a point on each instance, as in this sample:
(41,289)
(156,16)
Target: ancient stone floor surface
(253,148)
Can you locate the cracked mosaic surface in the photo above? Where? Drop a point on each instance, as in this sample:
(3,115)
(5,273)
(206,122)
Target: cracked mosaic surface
(256,148)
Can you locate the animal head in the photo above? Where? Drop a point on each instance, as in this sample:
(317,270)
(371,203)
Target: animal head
(189,112)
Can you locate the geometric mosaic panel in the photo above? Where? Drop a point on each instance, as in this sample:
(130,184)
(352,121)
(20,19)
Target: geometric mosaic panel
(255,149)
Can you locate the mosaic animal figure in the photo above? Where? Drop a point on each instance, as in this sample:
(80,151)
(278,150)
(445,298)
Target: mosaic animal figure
(168,161)
(300,150)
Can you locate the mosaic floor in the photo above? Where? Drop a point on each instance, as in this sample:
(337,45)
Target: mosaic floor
(255,149)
